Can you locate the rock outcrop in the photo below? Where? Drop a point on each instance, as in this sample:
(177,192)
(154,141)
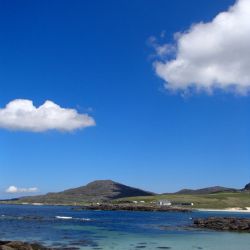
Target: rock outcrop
(19,245)
(131,207)
(224,224)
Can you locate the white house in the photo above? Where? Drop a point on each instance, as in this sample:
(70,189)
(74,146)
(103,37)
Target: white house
(164,203)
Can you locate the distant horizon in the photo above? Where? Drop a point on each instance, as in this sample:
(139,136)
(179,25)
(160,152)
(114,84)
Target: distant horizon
(14,195)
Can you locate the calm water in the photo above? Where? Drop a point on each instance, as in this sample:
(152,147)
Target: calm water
(114,230)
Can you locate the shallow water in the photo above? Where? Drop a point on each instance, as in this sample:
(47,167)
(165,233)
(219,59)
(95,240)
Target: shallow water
(114,230)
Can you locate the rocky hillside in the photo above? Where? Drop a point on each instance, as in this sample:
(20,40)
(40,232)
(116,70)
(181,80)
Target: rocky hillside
(101,190)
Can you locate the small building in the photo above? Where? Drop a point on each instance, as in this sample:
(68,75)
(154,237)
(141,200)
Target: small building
(183,204)
(187,204)
(164,203)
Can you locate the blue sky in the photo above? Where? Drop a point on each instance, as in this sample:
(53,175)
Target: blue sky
(95,57)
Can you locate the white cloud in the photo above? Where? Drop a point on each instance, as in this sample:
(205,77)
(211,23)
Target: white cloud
(213,55)
(21,114)
(14,190)
(161,50)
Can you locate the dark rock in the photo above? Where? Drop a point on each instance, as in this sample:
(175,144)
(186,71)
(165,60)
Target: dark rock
(19,245)
(132,207)
(224,224)
(164,247)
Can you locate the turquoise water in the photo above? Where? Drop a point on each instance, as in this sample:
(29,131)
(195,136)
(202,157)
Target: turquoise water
(114,230)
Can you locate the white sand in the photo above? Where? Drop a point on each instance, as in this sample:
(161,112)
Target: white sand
(232,209)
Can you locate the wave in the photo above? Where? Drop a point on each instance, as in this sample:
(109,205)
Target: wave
(64,217)
(71,218)
(41,218)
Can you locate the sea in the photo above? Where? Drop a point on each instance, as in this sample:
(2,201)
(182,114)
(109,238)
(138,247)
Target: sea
(62,227)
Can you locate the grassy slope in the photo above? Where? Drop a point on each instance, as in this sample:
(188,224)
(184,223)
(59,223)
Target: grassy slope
(215,201)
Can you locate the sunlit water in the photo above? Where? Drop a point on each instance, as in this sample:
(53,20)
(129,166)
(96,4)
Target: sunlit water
(114,230)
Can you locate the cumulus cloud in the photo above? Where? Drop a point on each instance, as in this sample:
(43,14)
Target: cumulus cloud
(14,190)
(161,50)
(21,114)
(213,55)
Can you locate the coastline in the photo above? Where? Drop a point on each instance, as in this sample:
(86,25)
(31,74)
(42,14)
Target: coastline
(140,208)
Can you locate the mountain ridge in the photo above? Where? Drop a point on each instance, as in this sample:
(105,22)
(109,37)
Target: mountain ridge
(207,190)
(99,190)
(108,190)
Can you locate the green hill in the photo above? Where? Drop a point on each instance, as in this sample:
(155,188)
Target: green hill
(208,190)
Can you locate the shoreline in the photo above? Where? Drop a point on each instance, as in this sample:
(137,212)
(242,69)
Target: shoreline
(112,207)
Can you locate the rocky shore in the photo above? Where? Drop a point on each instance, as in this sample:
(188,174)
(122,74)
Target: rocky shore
(130,207)
(224,224)
(19,245)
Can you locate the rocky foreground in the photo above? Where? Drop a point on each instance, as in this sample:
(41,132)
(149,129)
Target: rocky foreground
(18,245)
(224,224)
(134,208)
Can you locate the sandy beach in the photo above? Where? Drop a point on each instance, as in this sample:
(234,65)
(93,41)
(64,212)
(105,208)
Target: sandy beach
(230,210)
